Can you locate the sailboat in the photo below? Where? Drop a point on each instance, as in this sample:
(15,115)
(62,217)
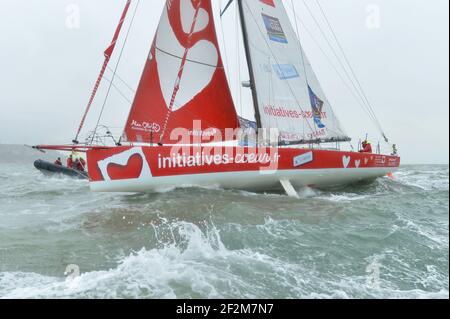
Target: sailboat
(183,128)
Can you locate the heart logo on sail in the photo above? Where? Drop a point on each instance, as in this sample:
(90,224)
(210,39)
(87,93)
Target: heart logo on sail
(199,66)
(358,163)
(131,170)
(346,161)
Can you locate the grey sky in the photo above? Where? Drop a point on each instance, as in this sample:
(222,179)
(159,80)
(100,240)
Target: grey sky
(48,67)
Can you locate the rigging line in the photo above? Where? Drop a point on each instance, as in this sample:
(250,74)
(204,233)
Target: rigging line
(108,53)
(226,7)
(365,106)
(187,60)
(349,64)
(115,70)
(301,52)
(344,54)
(119,91)
(288,85)
(352,92)
(176,87)
(303,58)
(122,80)
(334,52)
(276,60)
(238,57)
(227,68)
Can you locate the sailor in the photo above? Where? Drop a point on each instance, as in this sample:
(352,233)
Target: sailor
(58,162)
(367,147)
(70,161)
(394,150)
(81,164)
(76,164)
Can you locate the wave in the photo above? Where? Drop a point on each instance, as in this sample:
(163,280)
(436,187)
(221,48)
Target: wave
(215,243)
(190,261)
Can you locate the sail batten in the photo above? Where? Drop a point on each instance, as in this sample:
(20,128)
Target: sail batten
(287,93)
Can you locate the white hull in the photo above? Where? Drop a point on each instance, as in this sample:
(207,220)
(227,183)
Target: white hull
(251,181)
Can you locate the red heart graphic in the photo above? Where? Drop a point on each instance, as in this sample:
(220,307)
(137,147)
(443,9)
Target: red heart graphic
(132,170)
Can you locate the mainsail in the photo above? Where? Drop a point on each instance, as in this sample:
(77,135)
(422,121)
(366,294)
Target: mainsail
(183,80)
(287,93)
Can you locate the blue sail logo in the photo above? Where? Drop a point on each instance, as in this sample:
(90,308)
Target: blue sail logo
(274,29)
(317,106)
(286,71)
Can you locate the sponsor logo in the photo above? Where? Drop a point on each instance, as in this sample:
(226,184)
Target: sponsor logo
(274,29)
(317,134)
(291,137)
(303,159)
(145,126)
(287,113)
(268,2)
(317,106)
(211,132)
(346,161)
(201,159)
(130,164)
(285,71)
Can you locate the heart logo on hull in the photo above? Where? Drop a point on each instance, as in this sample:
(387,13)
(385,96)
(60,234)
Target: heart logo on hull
(131,170)
(346,161)
(357,163)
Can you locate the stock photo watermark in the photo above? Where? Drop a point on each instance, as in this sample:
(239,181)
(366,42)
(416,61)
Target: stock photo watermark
(373,277)
(373,18)
(72,274)
(73,16)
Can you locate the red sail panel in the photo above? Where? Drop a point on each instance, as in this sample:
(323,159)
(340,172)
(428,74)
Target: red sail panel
(183,79)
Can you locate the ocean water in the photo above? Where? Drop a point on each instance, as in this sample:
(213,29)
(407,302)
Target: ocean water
(386,239)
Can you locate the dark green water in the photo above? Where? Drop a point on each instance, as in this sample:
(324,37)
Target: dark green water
(387,239)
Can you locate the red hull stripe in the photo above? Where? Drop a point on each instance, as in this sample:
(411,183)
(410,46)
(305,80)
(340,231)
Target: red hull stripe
(131,162)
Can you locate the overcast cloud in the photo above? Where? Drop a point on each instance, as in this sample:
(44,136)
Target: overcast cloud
(49,60)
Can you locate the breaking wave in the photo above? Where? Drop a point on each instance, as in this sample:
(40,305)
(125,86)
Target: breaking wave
(213,243)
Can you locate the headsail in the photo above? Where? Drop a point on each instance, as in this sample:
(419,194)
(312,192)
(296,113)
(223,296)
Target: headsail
(287,92)
(184,78)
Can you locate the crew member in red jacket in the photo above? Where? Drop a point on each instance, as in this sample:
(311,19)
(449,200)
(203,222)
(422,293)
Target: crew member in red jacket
(81,164)
(367,147)
(70,161)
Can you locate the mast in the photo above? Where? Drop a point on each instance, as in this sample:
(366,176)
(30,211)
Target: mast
(250,64)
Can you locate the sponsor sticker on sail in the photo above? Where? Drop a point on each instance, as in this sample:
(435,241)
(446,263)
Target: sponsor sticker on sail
(274,29)
(317,106)
(286,71)
(268,2)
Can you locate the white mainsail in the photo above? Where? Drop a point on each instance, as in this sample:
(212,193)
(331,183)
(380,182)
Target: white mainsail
(288,94)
